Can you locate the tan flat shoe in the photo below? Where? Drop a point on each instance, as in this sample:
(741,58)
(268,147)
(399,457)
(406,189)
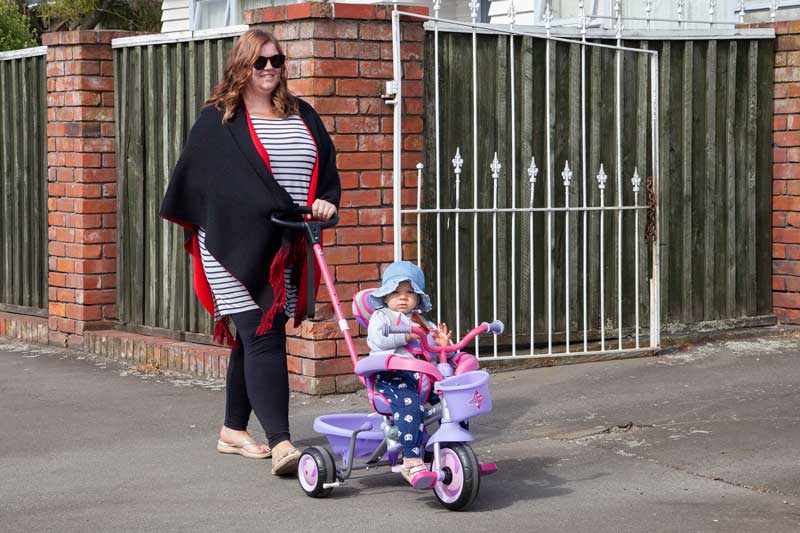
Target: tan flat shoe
(286,464)
(239,448)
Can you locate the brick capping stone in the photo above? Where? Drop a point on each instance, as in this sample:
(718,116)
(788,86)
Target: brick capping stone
(328,10)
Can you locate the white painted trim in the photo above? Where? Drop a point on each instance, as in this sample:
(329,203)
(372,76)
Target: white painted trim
(642,35)
(23,52)
(180,36)
(758,5)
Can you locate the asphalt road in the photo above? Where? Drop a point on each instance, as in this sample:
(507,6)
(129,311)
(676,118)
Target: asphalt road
(699,439)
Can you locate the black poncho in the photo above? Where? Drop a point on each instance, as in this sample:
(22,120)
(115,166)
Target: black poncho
(223,183)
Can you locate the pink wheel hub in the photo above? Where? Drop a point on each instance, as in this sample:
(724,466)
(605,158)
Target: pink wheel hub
(450,492)
(308,473)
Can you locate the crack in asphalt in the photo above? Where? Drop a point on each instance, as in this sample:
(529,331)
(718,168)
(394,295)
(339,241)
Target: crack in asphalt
(622,429)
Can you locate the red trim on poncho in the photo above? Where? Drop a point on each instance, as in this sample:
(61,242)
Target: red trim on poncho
(222,333)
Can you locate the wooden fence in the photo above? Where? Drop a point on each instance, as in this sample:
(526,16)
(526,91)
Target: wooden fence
(160,89)
(715,102)
(23,181)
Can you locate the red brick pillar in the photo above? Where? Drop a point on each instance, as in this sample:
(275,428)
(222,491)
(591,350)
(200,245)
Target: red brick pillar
(82,182)
(340,57)
(786,175)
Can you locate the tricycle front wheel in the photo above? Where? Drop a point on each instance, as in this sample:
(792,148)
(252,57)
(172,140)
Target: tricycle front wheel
(462,477)
(315,468)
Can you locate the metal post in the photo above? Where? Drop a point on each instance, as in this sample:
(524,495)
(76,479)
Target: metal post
(397,141)
(474,7)
(512,15)
(655,281)
(548,18)
(583,174)
(567,177)
(436,5)
(618,112)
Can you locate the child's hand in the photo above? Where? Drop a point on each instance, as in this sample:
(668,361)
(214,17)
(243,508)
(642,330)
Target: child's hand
(442,334)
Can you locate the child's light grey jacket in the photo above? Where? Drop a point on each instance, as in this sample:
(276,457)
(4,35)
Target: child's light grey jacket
(394,343)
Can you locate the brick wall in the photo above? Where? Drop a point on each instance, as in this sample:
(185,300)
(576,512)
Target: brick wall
(81,182)
(786,175)
(340,65)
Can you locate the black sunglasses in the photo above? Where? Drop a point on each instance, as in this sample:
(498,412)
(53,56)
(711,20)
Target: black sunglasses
(276,61)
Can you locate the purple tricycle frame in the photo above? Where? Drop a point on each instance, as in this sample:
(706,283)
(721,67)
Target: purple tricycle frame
(366,440)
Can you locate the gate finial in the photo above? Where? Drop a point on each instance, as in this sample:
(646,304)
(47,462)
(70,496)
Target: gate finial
(458,161)
(567,175)
(533,171)
(601,178)
(636,181)
(495,166)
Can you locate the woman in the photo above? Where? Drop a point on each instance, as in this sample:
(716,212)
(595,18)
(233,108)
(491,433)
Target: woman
(255,150)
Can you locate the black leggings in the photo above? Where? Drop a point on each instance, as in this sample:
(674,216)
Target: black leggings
(258,379)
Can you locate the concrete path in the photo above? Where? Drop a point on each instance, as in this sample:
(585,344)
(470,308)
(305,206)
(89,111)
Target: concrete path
(699,439)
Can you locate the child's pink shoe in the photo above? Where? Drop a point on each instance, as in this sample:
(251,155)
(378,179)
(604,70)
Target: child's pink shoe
(418,476)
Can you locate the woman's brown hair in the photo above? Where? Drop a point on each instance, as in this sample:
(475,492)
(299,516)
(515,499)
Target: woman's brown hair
(227,95)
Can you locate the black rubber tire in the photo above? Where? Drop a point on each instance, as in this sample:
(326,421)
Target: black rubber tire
(471,479)
(326,469)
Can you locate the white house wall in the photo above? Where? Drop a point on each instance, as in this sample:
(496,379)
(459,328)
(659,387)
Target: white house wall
(174,15)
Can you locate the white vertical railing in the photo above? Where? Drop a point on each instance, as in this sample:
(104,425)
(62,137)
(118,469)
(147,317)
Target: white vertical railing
(548,18)
(583,175)
(532,172)
(457,162)
(512,16)
(474,6)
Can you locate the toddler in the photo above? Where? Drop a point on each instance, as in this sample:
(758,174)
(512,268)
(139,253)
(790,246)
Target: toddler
(399,301)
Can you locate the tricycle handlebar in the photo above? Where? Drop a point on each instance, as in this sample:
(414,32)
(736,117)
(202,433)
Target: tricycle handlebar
(495,328)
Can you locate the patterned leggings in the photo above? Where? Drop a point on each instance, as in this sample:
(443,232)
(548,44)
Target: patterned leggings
(401,390)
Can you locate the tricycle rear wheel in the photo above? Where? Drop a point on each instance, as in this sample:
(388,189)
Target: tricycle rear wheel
(315,468)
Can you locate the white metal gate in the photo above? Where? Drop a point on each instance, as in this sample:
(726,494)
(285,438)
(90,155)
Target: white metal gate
(645,334)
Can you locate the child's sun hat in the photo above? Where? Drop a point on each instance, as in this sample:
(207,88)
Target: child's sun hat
(394,275)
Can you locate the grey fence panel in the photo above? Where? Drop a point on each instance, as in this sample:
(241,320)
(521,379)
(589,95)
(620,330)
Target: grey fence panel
(161,89)
(23,184)
(714,127)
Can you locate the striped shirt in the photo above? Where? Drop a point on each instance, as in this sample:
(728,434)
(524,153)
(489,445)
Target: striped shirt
(230,296)
(292,154)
